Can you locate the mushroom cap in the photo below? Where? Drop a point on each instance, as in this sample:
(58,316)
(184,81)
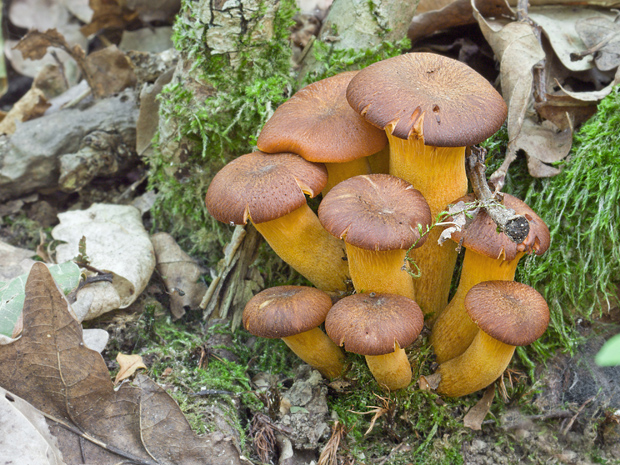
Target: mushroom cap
(318,124)
(284,311)
(482,237)
(263,187)
(374,324)
(438,98)
(511,312)
(375,212)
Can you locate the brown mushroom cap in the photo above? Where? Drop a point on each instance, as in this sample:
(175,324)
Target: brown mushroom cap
(375,212)
(482,237)
(511,312)
(372,324)
(284,311)
(442,99)
(318,124)
(263,187)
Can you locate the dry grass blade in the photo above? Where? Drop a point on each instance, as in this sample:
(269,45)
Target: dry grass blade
(329,454)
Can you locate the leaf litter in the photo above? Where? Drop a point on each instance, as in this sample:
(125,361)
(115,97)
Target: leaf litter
(51,368)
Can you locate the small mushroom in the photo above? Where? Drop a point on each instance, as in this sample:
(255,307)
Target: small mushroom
(378,326)
(318,124)
(379,216)
(269,191)
(431,107)
(294,314)
(489,256)
(508,314)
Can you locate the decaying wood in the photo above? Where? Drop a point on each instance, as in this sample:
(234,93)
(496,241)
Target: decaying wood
(232,288)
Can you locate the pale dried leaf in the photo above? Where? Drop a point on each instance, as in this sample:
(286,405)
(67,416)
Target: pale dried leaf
(80,9)
(559,25)
(128,366)
(32,105)
(24,434)
(38,14)
(543,145)
(95,339)
(474,418)
(14,261)
(116,242)
(598,30)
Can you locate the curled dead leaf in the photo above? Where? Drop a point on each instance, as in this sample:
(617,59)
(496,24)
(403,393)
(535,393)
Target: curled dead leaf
(129,364)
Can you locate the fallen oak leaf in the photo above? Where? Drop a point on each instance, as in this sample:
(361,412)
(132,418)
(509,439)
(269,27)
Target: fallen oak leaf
(51,368)
(129,364)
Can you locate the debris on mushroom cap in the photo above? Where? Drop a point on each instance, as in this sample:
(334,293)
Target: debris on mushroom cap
(375,212)
(263,187)
(374,324)
(284,311)
(511,312)
(319,124)
(482,237)
(430,96)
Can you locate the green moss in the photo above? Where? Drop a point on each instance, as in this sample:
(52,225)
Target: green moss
(581,206)
(333,60)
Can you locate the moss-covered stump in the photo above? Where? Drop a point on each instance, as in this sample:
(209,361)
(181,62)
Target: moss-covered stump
(233,72)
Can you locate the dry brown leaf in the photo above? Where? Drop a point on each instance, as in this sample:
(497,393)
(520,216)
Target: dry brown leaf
(32,105)
(108,14)
(51,368)
(128,366)
(109,71)
(474,418)
(181,275)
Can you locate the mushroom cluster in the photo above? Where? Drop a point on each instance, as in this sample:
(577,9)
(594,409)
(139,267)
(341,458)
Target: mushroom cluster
(333,138)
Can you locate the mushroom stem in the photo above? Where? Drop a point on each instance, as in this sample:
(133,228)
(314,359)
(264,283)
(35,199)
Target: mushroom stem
(300,240)
(379,271)
(482,363)
(439,174)
(453,330)
(338,172)
(317,350)
(391,370)
(380,161)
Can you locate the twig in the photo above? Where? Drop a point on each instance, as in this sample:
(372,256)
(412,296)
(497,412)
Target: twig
(567,428)
(516,227)
(576,56)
